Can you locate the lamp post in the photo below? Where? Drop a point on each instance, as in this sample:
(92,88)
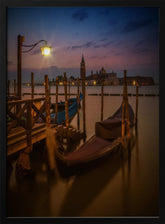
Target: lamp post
(45,50)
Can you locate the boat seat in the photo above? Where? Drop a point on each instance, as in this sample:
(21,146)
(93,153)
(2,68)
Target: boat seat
(108,129)
(111,128)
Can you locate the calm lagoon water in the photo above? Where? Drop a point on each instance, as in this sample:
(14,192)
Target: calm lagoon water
(116,187)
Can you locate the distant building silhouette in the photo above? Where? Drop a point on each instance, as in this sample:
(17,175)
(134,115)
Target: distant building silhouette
(82,68)
(108,78)
(142,80)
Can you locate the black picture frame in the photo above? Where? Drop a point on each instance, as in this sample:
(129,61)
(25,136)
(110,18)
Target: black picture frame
(3,74)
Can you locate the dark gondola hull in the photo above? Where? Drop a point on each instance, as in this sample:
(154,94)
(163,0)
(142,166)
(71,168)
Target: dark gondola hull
(68,169)
(100,145)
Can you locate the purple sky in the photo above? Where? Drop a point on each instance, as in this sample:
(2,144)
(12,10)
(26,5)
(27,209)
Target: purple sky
(117,38)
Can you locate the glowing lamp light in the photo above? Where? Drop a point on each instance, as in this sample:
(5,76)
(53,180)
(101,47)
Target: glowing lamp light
(45,50)
(94,82)
(134,83)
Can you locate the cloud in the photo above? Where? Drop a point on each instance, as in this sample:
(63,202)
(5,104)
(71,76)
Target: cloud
(108,44)
(97,46)
(135,25)
(80,15)
(86,45)
(90,44)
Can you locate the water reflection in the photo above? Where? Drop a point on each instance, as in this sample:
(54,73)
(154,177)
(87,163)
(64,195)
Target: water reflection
(98,175)
(121,185)
(126,177)
(46,195)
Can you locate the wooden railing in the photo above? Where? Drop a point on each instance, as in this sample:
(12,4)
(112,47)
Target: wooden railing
(25,113)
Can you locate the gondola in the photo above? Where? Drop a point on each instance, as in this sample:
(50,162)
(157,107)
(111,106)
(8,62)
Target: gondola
(106,140)
(72,109)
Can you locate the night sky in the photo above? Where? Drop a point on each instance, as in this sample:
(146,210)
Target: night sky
(116,38)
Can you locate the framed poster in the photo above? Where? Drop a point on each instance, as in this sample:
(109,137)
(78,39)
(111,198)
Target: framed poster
(68,151)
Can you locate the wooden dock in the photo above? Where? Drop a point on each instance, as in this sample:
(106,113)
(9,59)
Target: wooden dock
(27,123)
(17,138)
(23,129)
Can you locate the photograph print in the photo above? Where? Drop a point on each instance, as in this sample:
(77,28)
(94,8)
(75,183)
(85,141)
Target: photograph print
(82,115)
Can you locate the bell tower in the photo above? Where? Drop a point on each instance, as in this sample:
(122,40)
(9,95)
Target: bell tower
(82,68)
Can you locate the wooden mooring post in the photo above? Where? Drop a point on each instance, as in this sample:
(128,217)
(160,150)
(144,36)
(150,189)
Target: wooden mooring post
(20,40)
(136,112)
(56,103)
(29,125)
(78,102)
(83,101)
(23,166)
(66,102)
(32,84)
(69,88)
(102,95)
(49,88)
(125,109)
(47,100)
(49,135)
(15,91)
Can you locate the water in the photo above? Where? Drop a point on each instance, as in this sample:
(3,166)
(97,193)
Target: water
(114,188)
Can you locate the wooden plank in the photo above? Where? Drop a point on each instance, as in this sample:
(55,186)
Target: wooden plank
(20,131)
(38,126)
(24,101)
(16,140)
(39,113)
(17,118)
(17,143)
(10,107)
(40,135)
(13,149)
(16,134)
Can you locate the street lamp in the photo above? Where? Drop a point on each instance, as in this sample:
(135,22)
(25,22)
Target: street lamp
(45,50)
